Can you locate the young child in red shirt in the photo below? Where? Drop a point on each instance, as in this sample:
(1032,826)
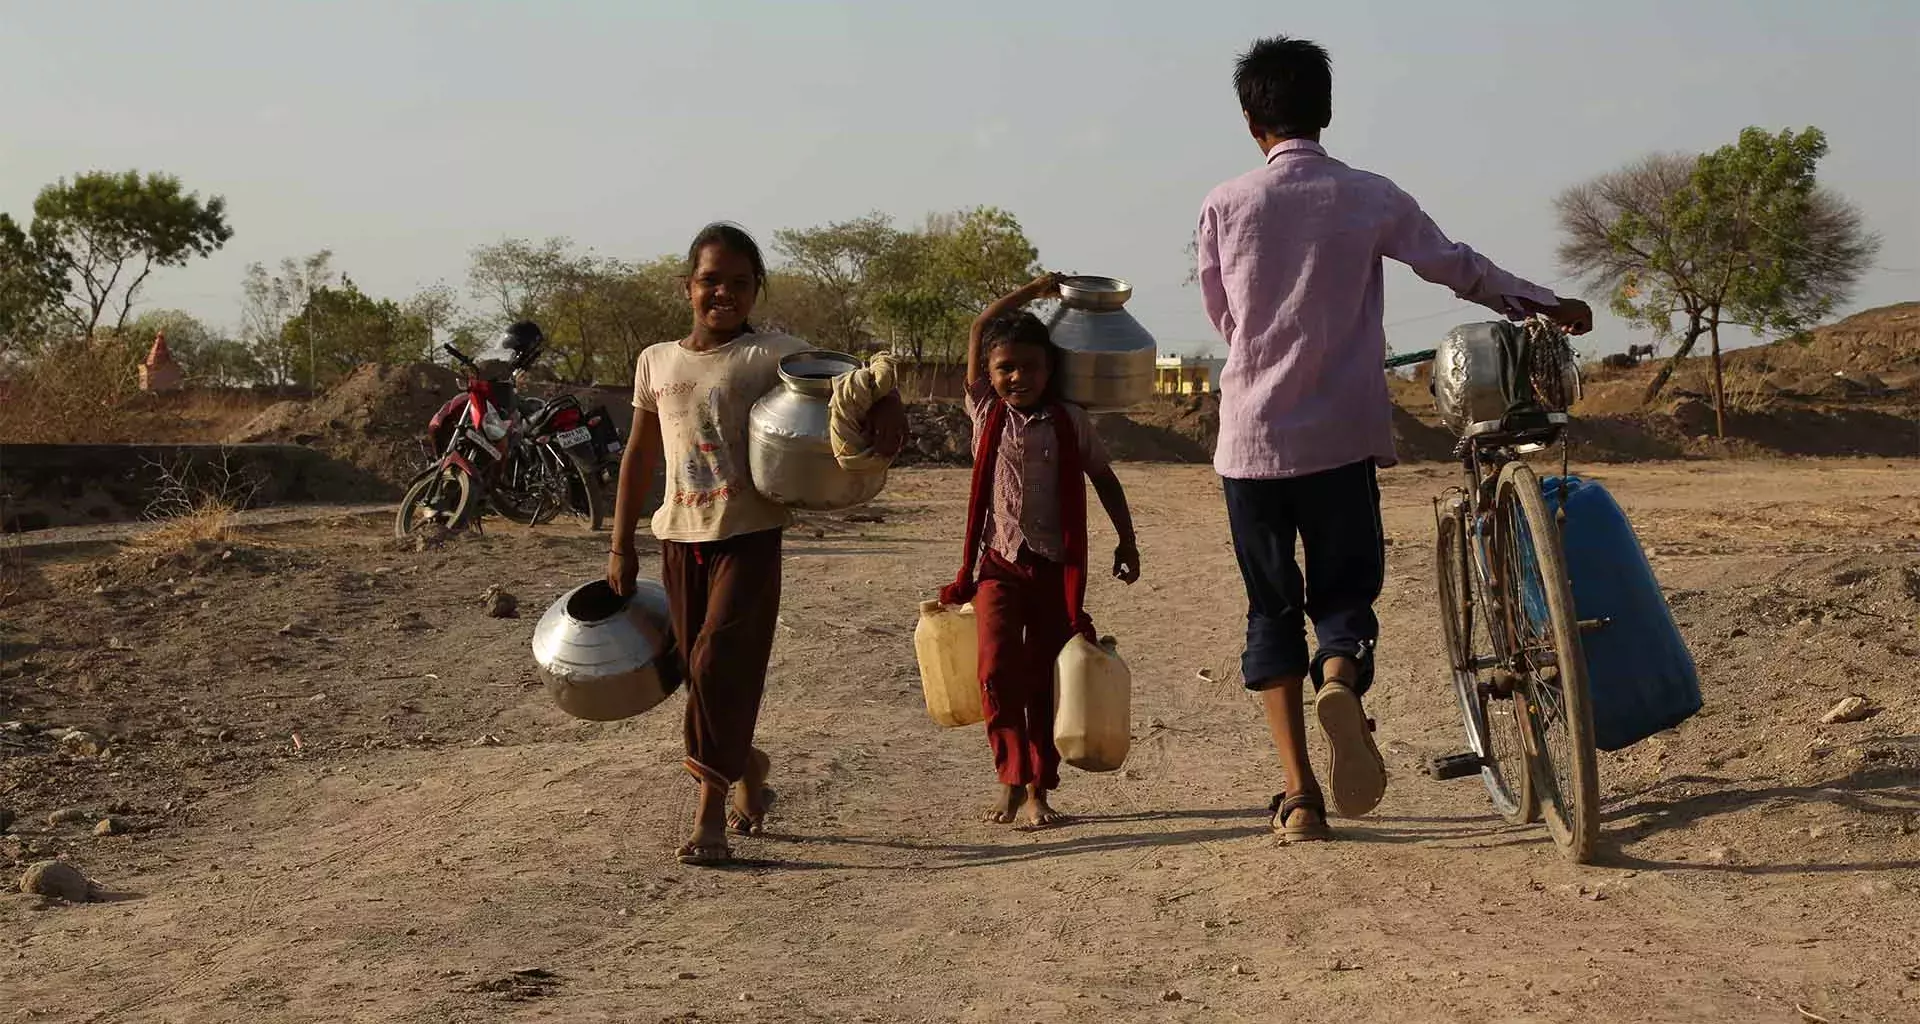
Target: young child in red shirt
(1028,510)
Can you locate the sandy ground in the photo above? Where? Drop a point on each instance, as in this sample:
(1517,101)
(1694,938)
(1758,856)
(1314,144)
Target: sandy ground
(440,844)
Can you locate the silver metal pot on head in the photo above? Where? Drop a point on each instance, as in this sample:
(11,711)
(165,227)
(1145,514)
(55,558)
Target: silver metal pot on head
(789,448)
(605,657)
(1106,356)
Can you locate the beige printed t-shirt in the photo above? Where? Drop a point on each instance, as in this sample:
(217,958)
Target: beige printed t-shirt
(702,399)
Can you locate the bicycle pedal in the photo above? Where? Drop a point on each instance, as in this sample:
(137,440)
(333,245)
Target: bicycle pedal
(1455,766)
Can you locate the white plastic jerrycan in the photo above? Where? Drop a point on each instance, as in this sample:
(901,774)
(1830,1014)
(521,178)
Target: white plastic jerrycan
(948,647)
(1093,705)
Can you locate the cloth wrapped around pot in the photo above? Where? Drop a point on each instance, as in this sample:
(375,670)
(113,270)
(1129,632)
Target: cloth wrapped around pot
(854,394)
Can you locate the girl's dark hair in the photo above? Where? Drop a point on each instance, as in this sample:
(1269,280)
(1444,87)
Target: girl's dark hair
(1023,328)
(1285,86)
(731,236)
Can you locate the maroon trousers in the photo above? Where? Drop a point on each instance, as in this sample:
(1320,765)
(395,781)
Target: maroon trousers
(724,599)
(1020,610)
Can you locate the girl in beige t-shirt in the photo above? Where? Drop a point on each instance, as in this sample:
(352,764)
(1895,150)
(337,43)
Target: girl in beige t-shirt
(719,538)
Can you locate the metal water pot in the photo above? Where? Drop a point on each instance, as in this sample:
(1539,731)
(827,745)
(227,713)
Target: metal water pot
(605,657)
(1107,357)
(789,449)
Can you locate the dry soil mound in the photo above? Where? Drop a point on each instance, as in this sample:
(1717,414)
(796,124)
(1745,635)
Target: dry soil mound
(373,419)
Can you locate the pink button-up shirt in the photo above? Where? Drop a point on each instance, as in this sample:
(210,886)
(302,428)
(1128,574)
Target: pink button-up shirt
(1291,276)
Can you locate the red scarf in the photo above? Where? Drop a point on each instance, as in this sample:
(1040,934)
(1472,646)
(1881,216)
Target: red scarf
(1073,511)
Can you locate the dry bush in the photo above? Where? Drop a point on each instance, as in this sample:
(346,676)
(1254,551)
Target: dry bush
(75,394)
(17,582)
(193,507)
(1746,389)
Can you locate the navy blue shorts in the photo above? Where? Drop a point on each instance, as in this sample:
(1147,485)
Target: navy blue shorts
(1334,518)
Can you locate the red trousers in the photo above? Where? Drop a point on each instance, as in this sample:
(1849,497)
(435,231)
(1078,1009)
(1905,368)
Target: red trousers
(1020,609)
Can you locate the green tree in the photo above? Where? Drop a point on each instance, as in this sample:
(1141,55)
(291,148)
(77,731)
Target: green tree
(597,312)
(643,305)
(1742,236)
(104,233)
(931,283)
(269,301)
(344,327)
(30,291)
(836,262)
(801,306)
(986,252)
(514,277)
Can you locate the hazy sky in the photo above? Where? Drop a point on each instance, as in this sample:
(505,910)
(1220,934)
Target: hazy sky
(402,134)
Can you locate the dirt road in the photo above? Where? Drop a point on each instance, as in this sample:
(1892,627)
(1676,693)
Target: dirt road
(438,827)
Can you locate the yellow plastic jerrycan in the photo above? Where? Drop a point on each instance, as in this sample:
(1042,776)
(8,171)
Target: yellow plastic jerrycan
(1093,705)
(948,647)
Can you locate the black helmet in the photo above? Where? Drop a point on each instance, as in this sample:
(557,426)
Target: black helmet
(524,339)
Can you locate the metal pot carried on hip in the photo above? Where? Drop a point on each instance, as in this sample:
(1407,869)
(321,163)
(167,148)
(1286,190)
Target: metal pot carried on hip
(1106,356)
(605,657)
(789,443)
(1484,374)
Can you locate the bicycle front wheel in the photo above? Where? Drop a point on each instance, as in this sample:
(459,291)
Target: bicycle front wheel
(1491,719)
(1547,660)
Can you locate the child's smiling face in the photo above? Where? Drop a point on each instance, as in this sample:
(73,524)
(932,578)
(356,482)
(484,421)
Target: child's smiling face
(722,289)
(1019,374)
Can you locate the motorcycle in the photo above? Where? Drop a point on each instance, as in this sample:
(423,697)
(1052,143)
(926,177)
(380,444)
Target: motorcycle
(483,453)
(604,444)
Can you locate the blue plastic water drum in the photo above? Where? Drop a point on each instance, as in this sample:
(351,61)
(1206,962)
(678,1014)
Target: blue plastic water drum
(1639,671)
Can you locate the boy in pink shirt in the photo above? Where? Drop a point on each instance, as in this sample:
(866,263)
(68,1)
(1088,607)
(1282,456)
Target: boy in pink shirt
(1290,270)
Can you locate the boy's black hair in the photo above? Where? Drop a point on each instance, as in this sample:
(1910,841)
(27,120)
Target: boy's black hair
(731,236)
(1023,328)
(1285,86)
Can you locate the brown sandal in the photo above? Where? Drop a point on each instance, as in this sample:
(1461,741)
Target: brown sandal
(741,823)
(1283,807)
(1355,770)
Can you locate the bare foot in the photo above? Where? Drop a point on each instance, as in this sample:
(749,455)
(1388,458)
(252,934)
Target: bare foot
(1039,813)
(1006,804)
(750,799)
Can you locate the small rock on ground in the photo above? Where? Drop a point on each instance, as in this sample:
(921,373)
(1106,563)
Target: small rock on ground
(68,816)
(1852,708)
(112,825)
(501,604)
(58,879)
(80,741)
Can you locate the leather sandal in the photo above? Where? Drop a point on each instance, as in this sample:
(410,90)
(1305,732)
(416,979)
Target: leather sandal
(1283,807)
(1355,770)
(741,823)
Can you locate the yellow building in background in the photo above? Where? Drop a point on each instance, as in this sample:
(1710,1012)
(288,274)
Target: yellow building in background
(1186,375)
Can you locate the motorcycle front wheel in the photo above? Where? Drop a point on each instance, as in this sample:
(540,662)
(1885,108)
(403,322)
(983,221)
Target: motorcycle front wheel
(445,497)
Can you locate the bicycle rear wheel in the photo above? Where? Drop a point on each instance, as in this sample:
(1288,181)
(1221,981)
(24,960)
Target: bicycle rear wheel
(1492,724)
(1546,656)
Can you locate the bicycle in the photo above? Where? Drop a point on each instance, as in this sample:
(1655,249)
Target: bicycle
(1510,634)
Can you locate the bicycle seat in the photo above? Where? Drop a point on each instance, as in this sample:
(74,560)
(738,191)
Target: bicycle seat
(1520,427)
